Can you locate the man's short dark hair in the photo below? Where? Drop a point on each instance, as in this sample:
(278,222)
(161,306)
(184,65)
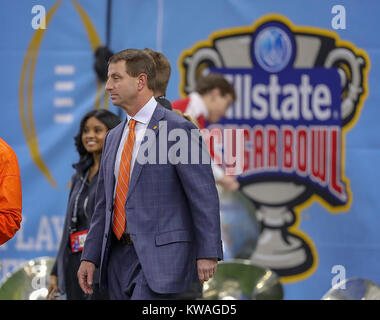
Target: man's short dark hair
(163,71)
(137,62)
(211,81)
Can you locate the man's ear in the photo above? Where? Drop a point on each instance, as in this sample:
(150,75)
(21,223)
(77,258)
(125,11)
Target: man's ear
(142,79)
(214,93)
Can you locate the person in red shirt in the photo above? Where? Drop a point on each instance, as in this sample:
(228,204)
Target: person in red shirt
(209,103)
(10,193)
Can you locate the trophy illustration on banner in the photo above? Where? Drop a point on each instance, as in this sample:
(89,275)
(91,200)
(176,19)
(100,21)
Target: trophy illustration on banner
(297,88)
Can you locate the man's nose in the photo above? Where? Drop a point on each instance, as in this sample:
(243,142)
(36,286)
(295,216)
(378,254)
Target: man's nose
(108,85)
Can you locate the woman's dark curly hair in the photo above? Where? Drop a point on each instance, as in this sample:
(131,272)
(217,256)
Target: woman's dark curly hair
(109,119)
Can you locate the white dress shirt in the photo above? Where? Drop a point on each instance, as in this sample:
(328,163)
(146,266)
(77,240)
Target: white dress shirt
(196,106)
(142,120)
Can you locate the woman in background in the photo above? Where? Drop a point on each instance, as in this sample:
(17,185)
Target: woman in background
(89,144)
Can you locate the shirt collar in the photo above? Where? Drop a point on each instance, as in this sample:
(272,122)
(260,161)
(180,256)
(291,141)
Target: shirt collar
(145,113)
(197,105)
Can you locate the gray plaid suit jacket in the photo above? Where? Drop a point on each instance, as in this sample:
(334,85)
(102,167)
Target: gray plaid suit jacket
(172,210)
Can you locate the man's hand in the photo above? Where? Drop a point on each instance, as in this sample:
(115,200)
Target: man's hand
(206,268)
(85,276)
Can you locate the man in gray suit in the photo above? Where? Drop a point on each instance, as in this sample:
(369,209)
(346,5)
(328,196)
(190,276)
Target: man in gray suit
(170,230)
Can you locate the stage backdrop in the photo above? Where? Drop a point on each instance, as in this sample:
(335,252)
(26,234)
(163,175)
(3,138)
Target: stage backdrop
(306,75)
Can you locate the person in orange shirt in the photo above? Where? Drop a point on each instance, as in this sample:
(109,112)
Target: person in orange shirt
(10,193)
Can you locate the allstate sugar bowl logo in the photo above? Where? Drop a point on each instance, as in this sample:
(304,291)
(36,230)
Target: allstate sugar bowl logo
(299,90)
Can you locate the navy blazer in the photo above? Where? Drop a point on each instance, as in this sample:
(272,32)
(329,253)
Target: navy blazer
(172,210)
(61,262)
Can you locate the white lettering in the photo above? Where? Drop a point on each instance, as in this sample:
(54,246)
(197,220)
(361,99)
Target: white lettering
(44,240)
(321,97)
(339,20)
(39,20)
(340,277)
(178,152)
(257,92)
(290,108)
(288,102)
(305,90)
(159,310)
(274,91)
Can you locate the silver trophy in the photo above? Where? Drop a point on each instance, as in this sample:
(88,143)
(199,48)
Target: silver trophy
(354,289)
(30,281)
(239,226)
(278,248)
(239,279)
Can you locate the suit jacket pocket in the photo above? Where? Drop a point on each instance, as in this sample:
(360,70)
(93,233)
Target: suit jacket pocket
(173,236)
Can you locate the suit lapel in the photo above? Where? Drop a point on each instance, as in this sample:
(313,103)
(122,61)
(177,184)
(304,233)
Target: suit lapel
(153,125)
(114,146)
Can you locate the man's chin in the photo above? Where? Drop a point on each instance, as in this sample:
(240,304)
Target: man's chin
(115,102)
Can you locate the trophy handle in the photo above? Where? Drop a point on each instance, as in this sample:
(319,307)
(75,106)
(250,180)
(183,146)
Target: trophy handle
(200,62)
(352,81)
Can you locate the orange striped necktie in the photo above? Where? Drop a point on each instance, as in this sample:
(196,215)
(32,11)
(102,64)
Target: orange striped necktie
(122,182)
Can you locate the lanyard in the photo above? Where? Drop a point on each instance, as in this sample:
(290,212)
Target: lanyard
(74,217)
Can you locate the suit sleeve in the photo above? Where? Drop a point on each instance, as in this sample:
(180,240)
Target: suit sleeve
(93,245)
(10,197)
(199,185)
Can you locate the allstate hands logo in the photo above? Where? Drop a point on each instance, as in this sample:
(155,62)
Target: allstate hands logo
(272,48)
